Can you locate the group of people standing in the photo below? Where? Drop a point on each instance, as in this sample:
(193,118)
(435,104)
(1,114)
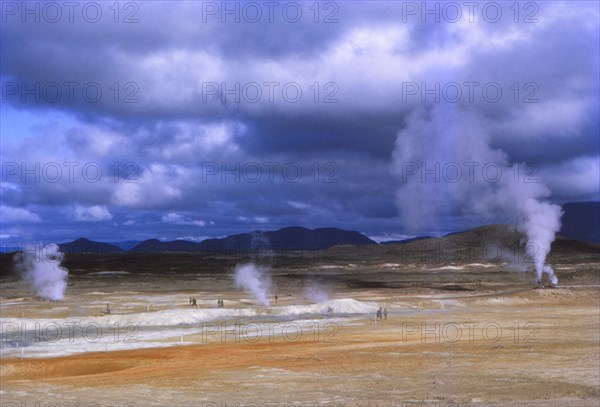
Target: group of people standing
(220,302)
(381,314)
(194,303)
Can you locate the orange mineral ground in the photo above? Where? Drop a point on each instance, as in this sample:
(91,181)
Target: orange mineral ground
(527,347)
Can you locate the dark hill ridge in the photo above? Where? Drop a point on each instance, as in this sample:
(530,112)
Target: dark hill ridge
(83,245)
(460,248)
(289,238)
(490,243)
(126,244)
(581,221)
(404,241)
(156,246)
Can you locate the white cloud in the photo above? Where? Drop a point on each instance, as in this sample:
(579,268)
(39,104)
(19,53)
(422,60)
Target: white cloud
(298,205)
(9,186)
(575,178)
(384,237)
(192,238)
(181,220)
(18,215)
(564,117)
(192,141)
(94,213)
(256,219)
(157,185)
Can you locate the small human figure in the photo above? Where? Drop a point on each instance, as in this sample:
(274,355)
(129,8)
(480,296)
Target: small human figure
(191,300)
(194,302)
(222,303)
(275,297)
(219,303)
(378,314)
(385,313)
(107,308)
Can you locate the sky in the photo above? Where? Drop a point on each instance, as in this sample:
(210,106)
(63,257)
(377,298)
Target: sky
(188,119)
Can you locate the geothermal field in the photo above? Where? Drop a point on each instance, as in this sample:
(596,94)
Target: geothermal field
(453,333)
(384,203)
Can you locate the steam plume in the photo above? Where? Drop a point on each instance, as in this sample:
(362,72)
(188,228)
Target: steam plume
(441,157)
(316,293)
(254,278)
(260,246)
(43,272)
(540,224)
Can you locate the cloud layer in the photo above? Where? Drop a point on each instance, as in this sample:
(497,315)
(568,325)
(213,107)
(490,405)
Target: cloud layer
(205,127)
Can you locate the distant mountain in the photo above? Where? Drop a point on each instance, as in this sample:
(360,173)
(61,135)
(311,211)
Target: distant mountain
(10,247)
(126,244)
(83,245)
(581,221)
(290,238)
(155,246)
(404,241)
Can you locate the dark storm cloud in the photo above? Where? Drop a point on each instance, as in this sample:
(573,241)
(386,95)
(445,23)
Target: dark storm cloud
(370,135)
(178,126)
